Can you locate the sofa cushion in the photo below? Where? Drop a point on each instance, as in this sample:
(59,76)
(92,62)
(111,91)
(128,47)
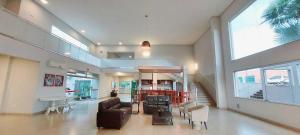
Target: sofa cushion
(108,104)
(103,106)
(116,106)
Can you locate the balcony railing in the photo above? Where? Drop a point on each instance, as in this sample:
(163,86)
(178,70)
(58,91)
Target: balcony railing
(25,31)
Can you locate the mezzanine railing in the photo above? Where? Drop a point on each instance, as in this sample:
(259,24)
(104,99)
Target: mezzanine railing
(18,28)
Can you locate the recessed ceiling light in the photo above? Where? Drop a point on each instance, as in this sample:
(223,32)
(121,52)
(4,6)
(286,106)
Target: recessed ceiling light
(82,31)
(98,43)
(67,53)
(120,43)
(119,74)
(130,56)
(126,67)
(44,1)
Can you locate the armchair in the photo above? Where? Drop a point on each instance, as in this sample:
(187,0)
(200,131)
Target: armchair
(198,114)
(183,107)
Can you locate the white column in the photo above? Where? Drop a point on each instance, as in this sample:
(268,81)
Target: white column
(5,62)
(154,81)
(140,81)
(215,24)
(185,79)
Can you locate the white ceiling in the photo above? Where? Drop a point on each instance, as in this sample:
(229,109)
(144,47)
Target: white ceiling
(179,22)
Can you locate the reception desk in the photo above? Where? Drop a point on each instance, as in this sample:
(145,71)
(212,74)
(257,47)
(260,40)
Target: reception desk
(176,96)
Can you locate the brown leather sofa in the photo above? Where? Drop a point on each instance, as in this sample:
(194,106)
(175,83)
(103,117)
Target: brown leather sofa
(113,113)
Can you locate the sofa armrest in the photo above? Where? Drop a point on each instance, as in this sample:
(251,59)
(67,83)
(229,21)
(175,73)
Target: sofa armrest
(126,104)
(195,108)
(112,118)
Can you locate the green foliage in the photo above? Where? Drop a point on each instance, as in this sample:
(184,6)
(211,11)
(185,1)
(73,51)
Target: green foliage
(284,16)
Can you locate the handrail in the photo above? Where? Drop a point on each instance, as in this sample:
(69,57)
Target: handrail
(16,27)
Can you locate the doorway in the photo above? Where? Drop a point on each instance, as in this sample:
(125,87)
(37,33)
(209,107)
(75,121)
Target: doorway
(82,86)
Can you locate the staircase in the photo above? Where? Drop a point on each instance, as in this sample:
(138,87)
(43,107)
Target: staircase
(198,94)
(258,95)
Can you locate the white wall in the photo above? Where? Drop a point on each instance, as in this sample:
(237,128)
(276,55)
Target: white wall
(4,69)
(204,57)
(2,2)
(280,113)
(106,80)
(15,48)
(164,55)
(160,76)
(41,17)
(127,78)
(22,81)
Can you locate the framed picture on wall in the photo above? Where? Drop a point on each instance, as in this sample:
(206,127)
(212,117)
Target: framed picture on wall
(49,80)
(59,80)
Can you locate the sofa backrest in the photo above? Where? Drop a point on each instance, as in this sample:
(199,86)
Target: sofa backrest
(113,103)
(156,99)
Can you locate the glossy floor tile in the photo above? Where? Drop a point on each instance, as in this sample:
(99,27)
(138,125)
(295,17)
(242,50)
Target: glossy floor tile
(82,121)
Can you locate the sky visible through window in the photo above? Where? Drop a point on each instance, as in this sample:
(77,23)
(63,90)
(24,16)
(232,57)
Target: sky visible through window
(250,33)
(61,34)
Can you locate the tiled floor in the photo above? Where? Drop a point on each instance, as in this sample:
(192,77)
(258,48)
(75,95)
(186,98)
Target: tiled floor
(82,121)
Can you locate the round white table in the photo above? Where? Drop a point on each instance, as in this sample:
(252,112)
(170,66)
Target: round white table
(52,100)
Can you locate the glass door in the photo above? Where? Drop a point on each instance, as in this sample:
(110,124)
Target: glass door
(279,85)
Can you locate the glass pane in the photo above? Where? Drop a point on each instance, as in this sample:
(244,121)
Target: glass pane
(125,87)
(248,84)
(52,43)
(74,52)
(264,25)
(57,32)
(94,60)
(82,55)
(64,48)
(277,77)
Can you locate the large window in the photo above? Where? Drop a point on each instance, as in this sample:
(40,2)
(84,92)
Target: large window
(277,77)
(248,84)
(278,83)
(265,24)
(125,87)
(68,38)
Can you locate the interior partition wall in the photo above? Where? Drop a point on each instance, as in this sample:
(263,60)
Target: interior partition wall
(18,84)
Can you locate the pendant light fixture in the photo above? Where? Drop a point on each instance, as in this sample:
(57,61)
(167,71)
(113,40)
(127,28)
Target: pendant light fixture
(146,43)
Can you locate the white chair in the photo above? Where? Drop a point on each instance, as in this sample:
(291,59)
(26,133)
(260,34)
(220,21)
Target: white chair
(198,113)
(183,108)
(67,105)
